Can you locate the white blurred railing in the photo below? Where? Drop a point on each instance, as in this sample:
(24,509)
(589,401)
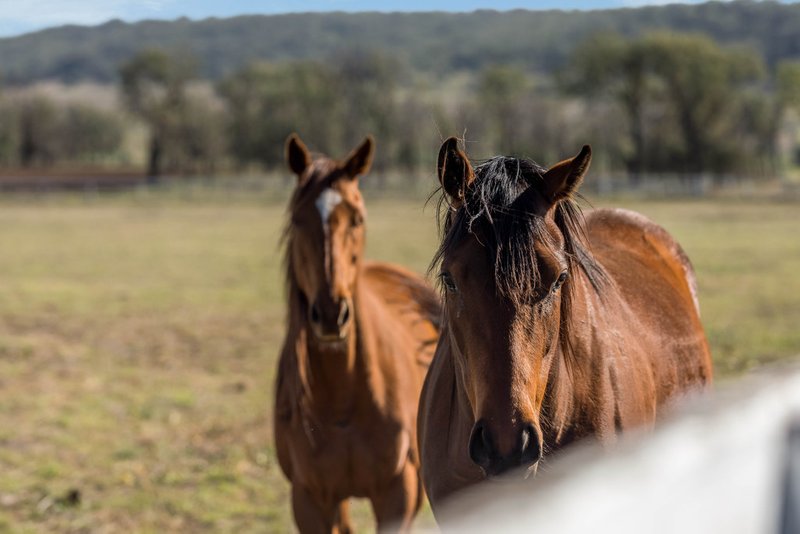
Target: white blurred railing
(725,463)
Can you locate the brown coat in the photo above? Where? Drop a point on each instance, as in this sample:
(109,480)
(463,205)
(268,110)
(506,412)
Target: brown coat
(555,328)
(359,340)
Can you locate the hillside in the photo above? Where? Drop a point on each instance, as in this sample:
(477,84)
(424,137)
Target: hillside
(426,42)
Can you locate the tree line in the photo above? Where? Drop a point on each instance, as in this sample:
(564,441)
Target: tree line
(659,103)
(437,44)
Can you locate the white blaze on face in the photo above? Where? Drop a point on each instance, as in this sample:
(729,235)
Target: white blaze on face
(326,203)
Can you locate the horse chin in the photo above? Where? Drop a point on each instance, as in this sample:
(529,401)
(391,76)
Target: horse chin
(530,471)
(514,475)
(334,341)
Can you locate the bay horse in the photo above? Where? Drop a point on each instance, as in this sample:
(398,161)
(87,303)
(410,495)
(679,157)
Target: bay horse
(556,326)
(359,341)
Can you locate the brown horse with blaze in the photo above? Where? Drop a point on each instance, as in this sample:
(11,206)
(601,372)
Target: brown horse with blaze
(556,327)
(360,338)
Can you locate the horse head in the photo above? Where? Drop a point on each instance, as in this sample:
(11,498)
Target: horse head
(510,246)
(326,235)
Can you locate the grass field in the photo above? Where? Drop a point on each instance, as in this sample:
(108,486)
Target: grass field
(138,340)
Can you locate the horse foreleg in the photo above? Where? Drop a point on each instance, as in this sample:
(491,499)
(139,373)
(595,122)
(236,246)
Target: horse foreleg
(400,501)
(314,516)
(343,525)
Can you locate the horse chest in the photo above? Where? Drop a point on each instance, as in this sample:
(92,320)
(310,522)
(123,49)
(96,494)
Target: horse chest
(348,459)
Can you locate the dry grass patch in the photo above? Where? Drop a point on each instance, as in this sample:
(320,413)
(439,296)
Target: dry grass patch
(138,340)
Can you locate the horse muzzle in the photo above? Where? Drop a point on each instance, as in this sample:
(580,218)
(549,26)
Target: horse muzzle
(524,457)
(330,318)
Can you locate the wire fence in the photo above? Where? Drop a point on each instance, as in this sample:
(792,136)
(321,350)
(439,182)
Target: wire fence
(418,184)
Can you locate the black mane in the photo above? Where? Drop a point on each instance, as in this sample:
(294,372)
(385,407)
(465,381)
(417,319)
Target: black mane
(497,211)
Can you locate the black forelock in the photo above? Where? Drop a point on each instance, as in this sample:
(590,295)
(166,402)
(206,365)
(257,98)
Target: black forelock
(498,211)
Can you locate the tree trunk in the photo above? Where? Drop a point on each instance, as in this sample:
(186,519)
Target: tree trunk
(154,162)
(27,147)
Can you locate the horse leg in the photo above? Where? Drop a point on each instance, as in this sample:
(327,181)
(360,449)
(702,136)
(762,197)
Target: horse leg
(397,505)
(343,525)
(311,515)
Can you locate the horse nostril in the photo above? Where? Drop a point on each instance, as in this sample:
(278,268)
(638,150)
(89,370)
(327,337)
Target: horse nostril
(525,437)
(315,316)
(480,445)
(529,445)
(344,313)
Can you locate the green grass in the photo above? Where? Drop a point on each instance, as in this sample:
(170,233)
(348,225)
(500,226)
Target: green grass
(138,340)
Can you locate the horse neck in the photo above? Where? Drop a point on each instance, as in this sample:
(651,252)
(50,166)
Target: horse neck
(578,385)
(334,378)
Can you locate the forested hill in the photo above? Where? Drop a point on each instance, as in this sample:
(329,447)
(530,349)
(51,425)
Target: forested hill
(427,42)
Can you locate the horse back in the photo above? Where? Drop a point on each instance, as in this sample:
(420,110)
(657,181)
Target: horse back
(413,304)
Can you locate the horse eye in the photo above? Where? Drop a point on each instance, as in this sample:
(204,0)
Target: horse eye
(358,219)
(448,282)
(561,278)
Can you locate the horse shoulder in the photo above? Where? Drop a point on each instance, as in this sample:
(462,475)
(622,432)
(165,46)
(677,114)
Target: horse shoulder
(411,303)
(656,284)
(403,290)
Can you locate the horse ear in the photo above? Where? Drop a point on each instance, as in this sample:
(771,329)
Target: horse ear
(454,169)
(359,161)
(563,179)
(298,158)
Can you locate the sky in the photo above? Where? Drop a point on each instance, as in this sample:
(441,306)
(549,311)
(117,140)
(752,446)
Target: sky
(22,16)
